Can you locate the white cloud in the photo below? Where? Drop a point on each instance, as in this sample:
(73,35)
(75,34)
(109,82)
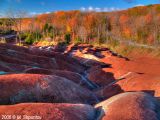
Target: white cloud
(83,9)
(139,5)
(33,13)
(105,9)
(97,9)
(90,8)
(47,12)
(111,9)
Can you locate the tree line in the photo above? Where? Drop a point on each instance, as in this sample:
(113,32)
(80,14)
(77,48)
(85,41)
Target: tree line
(139,24)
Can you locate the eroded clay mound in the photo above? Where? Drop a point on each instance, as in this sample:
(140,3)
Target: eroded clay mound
(62,73)
(38,58)
(67,63)
(14,47)
(45,62)
(141,82)
(100,77)
(19,88)
(130,106)
(38,71)
(73,76)
(108,91)
(64,61)
(50,111)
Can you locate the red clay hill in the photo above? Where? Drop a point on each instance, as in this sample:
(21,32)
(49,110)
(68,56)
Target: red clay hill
(80,82)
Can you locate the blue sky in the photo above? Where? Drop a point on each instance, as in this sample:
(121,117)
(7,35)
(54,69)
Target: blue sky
(43,6)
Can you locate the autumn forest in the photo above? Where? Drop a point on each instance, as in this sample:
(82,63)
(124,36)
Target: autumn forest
(135,25)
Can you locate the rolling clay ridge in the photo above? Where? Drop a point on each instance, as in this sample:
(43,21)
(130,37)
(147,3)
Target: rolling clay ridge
(77,82)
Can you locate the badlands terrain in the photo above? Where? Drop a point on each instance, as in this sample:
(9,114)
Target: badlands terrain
(77,82)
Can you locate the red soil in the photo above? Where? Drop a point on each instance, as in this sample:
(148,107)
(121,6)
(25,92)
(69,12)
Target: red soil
(17,88)
(145,71)
(130,106)
(145,74)
(98,75)
(145,65)
(82,74)
(142,82)
(50,111)
(108,92)
(73,76)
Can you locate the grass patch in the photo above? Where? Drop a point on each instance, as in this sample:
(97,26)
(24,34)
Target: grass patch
(126,50)
(45,43)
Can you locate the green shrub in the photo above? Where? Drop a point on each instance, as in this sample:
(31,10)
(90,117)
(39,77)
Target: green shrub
(67,38)
(45,28)
(51,35)
(150,5)
(23,35)
(29,39)
(48,30)
(37,36)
